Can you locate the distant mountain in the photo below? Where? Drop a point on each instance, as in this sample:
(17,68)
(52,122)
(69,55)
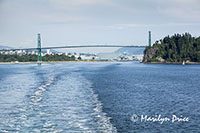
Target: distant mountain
(5,47)
(130,51)
(43,50)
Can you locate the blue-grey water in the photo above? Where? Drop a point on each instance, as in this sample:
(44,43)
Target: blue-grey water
(98,97)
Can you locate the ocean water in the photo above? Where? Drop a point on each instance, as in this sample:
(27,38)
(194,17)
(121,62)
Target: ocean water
(99,97)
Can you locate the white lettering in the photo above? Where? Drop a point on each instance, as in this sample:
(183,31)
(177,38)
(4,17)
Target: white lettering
(179,119)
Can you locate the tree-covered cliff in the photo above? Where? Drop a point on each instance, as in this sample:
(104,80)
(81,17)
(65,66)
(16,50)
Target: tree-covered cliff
(177,48)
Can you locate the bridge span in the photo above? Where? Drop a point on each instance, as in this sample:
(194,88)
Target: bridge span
(39,48)
(76,46)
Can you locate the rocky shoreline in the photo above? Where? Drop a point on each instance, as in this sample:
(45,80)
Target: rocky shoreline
(175,63)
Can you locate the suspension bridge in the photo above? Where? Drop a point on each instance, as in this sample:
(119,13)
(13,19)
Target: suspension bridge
(39,48)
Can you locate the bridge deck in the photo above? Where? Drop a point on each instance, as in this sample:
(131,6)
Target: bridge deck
(75,46)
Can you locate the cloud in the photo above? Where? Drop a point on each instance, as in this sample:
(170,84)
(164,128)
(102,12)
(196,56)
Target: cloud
(126,26)
(60,18)
(93,20)
(74,4)
(184,9)
(27,43)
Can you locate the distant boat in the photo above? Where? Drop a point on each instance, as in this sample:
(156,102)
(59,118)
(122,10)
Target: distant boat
(183,63)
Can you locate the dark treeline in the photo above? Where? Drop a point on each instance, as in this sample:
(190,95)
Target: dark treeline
(176,48)
(29,58)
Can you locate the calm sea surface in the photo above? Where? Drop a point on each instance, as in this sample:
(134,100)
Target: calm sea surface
(99,97)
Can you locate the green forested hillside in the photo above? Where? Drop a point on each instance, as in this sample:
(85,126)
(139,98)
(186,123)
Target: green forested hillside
(28,58)
(176,48)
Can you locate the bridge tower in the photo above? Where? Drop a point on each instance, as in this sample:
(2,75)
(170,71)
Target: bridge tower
(149,38)
(39,56)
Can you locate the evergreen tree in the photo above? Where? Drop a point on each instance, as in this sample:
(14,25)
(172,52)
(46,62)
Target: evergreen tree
(176,48)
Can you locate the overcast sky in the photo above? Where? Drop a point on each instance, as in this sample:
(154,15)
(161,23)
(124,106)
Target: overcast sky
(67,22)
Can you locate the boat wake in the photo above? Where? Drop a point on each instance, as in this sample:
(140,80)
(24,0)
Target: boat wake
(61,102)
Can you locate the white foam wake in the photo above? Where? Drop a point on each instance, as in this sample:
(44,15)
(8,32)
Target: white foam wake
(77,106)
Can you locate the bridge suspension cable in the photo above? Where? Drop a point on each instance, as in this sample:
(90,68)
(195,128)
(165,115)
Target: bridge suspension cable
(39,48)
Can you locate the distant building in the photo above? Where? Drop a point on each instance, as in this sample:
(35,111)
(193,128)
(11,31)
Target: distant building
(87,56)
(138,57)
(33,52)
(60,53)
(49,52)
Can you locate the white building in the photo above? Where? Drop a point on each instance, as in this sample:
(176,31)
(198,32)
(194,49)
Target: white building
(138,57)
(49,52)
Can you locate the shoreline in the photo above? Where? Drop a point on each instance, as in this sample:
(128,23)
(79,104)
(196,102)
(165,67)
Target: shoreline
(174,63)
(35,62)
